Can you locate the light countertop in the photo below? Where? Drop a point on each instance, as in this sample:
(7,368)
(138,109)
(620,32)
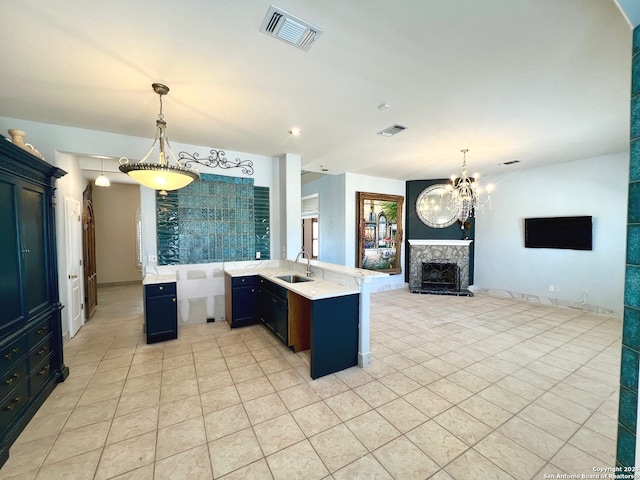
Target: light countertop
(316,289)
(151,278)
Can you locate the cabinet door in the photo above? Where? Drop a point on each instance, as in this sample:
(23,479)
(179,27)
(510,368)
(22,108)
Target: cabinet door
(10,279)
(281,314)
(161,318)
(244,305)
(262,305)
(270,311)
(33,249)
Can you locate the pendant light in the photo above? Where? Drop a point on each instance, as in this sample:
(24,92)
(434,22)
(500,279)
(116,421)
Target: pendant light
(160,176)
(102,180)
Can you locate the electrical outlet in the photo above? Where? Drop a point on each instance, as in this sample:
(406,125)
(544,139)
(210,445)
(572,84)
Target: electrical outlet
(556,288)
(551,288)
(152,258)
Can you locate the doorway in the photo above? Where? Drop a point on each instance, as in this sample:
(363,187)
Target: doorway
(310,236)
(310,226)
(89,249)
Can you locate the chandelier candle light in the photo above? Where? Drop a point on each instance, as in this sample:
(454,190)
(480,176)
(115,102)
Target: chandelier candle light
(160,176)
(465,193)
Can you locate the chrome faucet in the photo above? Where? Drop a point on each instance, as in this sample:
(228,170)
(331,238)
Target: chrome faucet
(303,253)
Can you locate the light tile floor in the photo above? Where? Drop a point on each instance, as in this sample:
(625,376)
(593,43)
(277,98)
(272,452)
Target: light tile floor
(460,388)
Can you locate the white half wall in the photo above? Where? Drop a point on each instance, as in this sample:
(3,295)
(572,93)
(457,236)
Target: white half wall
(591,280)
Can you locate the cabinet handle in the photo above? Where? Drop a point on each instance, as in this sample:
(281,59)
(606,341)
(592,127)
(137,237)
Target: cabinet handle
(43,350)
(253,290)
(42,330)
(12,405)
(13,352)
(161,288)
(43,371)
(174,299)
(13,377)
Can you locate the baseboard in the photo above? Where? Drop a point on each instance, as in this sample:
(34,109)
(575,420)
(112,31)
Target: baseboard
(120,284)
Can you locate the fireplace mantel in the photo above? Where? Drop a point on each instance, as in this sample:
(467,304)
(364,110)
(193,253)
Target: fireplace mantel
(461,243)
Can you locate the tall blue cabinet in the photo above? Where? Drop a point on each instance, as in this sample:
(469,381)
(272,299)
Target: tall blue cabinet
(31,358)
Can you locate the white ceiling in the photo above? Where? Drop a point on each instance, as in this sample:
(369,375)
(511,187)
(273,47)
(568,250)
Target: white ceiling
(541,81)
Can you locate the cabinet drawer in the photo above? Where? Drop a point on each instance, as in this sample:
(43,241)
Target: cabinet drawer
(39,331)
(40,351)
(157,289)
(13,403)
(12,352)
(12,377)
(243,281)
(40,374)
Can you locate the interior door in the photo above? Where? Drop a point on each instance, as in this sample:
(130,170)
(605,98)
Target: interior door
(74,263)
(89,256)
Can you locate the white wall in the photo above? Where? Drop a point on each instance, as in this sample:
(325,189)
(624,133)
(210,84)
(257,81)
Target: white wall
(337,219)
(363,183)
(331,217)
(594,186)
(72,187)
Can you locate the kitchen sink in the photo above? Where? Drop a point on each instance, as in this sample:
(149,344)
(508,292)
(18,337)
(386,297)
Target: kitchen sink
(294,279)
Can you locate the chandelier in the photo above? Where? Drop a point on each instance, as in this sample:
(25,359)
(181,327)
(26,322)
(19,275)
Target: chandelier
(465,193)
(160,176)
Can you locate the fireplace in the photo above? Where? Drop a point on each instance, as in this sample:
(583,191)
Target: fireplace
(440,277)
(441,254)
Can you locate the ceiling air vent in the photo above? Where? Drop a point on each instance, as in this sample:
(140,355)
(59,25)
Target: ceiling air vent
(392,130)
(290,29)
(511,162)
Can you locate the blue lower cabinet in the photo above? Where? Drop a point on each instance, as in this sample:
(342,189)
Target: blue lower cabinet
(241,300)
(273,309)
(334,334)
(328,327)
(160,312)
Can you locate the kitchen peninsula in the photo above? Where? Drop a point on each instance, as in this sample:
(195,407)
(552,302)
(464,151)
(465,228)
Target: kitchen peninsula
(326,313)
(319,312)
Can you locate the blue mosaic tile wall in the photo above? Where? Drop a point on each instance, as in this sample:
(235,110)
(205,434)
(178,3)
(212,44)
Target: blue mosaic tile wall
(261,214)
(211,220)
(629,360)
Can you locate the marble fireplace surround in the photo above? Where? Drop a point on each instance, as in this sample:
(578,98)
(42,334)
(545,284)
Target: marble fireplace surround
(422,251)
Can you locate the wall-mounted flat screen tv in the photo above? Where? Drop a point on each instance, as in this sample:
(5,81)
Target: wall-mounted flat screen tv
(574,233)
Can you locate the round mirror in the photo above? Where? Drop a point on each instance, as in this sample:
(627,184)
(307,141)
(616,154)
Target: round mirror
(434,206)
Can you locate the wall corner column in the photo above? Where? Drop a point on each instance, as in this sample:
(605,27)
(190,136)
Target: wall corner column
(627,445)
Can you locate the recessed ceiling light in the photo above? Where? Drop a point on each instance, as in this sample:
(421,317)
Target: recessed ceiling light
(295,131)
(383,107)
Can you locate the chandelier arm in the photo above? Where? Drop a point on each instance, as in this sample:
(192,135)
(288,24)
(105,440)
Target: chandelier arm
(173,155)
(150,150)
